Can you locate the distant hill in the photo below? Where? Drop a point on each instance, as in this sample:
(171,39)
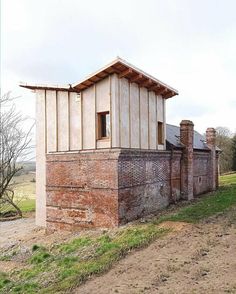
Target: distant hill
(28,166)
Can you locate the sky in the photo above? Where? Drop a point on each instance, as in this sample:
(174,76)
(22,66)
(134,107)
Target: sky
(188,44)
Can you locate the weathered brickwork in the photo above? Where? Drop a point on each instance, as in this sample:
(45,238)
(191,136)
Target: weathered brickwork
(106,188)
(201,167)
(186,138)
(145,184)
(82,190)
(211,143)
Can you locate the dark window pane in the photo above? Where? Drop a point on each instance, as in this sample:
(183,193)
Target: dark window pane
(160,133)
(104,125)
(107,125)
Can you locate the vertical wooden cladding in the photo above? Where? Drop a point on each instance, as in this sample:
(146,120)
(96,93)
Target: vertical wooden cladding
(152,121)
(88,119)
(164,122)
(134,113)
(103,95)
(144,117)
(40,121)
(63,121)
(134,116)
(75,121)
(51,119)
(40,157)
(103,105)
(139,110)
(124,113)
(160,118)
(115,135)
(160,108)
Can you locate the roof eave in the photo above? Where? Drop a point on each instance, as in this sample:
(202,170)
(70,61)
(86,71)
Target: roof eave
(47,87)
(129,71)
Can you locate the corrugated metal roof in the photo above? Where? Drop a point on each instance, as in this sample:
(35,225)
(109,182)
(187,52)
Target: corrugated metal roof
(173,137)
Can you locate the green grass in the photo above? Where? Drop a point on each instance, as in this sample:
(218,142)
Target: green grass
(75,245)
(27,205)
(207,206)
(228,180)
(63,267)
(72,263)
(24,190)
(24,186)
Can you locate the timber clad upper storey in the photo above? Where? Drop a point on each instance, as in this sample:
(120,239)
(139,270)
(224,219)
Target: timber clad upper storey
(119,106)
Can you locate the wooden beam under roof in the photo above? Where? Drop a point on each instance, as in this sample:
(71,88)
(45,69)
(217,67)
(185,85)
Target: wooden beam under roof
(115,69)
(136,78)
(162,91)
(133,74)
(154,87)
(125,73)
(95,79)
(169,94)
(88,82)
(146,83)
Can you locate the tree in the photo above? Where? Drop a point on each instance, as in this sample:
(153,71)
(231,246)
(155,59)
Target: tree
(234,152)
(15,145)
(224,142)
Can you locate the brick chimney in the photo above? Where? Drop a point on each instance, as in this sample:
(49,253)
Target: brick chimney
(211,143)
(186,138)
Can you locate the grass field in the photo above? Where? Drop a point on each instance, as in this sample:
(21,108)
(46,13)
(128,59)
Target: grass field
(24,186)
(62,267)
(24,189)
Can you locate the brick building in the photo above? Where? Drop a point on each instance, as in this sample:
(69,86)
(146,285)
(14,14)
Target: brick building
(105,155)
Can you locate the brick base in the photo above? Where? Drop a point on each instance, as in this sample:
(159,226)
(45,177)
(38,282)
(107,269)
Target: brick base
(145,184)
(82,190)
(107,188)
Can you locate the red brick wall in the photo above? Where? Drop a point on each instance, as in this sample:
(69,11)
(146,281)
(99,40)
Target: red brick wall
(144,180)
(82,190)
(186,139)
(110,187)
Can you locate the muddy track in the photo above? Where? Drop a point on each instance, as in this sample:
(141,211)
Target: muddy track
(194,259)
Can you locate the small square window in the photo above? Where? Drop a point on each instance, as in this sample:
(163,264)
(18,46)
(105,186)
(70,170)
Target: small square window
(160,133)
(103,125)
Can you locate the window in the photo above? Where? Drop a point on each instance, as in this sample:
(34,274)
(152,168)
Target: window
(160,133)
(103,126)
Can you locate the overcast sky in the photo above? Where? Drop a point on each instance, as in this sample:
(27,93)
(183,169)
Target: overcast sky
(190,45)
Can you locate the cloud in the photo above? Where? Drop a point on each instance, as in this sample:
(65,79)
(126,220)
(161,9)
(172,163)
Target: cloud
(189,46)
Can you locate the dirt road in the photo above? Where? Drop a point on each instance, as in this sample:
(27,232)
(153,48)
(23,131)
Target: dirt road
(195,259)
(21,235)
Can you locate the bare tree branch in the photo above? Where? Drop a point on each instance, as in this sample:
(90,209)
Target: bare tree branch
(15,145)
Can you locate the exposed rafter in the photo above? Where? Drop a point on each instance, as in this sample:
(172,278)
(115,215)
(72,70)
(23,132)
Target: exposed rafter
(125,73)
(168,95)
(136,78)
(155,87)
(162,91)
(124,70)
(146,83)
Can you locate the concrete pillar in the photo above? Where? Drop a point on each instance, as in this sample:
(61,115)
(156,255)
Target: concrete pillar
(211,143)
(186,138)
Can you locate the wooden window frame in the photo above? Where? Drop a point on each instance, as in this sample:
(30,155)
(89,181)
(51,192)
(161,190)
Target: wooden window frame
(99,126)
(160,133)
